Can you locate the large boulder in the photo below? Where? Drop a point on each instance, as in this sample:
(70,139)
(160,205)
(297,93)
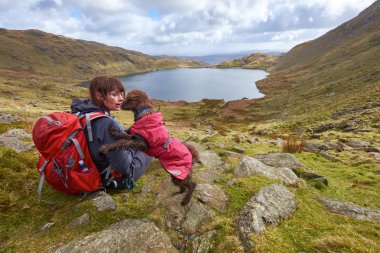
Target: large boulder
(281,160)
(125,236)
(352,210)
(271,204)
(250,166)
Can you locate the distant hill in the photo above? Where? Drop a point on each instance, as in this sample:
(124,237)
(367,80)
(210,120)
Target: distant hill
(44,53)
(218,58)
(337,71)
(252,61)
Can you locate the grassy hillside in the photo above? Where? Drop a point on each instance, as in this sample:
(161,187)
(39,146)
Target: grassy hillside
(44,53)
(336,72)
(252,61)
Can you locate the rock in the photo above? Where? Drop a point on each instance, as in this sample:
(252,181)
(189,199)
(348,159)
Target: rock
(103,201)
(351,210)
(226,153)
(125,236)
(197,215)
(251,166)
(308,176)
(271,204)
(18,133)
(212,196)
(358,144)
(45,227)
(81,220)
(281,160)
(238,150)
(213,167)
(372,149)
(329,157)
(204,242)
(316,136)
(375,155)
(314,147)
(12,140)
(324,128)
(175,213)
(210,159)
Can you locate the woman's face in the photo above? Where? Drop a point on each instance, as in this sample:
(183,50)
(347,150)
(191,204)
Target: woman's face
(113,100)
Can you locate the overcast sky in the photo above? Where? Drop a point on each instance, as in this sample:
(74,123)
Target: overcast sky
(184,27)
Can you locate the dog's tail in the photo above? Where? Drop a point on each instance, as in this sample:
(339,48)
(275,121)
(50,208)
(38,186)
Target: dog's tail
(194,152)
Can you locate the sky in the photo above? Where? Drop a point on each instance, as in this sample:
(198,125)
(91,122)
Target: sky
(184,27)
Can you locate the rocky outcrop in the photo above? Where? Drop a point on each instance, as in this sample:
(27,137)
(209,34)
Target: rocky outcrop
(271,204)
(281,160)
(13,139)
(351,210)
(250,166)
(125,236)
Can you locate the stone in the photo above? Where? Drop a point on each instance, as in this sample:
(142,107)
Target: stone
(13,139)
(129,235)
(212,196)
(308,176)
(81,220)
(324,128)
(103,201)
(204,242)
(375,155)
(197,215)
(270,205)
(329,157)
(287,160)
(238,150)
(174,212)
(358,144)
(213,167)
(314,147)
(250,166)
(45,227)
(226,153)
(351,210)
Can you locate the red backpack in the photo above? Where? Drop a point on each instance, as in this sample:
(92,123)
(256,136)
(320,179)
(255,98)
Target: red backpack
(65,161)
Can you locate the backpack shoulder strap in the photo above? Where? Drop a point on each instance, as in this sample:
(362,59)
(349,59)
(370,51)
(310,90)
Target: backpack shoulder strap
(86,119)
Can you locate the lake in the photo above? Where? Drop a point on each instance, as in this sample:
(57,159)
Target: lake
(194,84)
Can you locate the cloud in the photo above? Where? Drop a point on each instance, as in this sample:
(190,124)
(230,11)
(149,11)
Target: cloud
(187,27)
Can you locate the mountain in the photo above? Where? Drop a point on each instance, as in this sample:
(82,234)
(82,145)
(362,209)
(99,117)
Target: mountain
(252,61)
(336,72)
(44,53)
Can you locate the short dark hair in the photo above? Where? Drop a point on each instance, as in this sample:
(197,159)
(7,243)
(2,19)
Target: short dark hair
(104,85)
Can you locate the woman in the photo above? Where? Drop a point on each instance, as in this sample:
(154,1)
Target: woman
(107,94)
